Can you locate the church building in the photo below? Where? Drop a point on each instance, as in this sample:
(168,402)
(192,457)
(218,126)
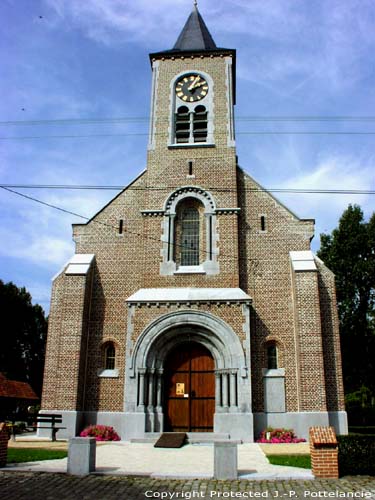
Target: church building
(193,302)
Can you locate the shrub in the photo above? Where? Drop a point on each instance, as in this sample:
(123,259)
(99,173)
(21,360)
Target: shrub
(279,436)
(100,433)
(356,455)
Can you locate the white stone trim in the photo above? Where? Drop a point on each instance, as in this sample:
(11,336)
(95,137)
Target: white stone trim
(79,264)
(108,373)
(153,107)
(190,270)
(303,261)
(230,118)
(188,295)
(207,101)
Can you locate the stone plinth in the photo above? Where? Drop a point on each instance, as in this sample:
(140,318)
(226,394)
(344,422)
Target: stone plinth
(225,460)
(81,456)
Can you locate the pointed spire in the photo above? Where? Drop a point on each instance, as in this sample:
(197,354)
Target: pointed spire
(195,34)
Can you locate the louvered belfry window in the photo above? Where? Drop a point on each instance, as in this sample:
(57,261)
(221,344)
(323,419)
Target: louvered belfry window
(190,237)
(200,124)
(182,125)
(191,126)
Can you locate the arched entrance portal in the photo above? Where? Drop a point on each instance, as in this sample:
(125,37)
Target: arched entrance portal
(189,389)
(184,347)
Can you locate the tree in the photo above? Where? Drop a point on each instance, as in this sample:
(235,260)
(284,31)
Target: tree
(350,253)
(23,336)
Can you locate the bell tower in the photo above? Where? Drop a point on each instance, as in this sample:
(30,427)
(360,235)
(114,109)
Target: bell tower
(191,135)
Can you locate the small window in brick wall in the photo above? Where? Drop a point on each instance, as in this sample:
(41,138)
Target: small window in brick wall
(272,362)
(109,356)
(262,222)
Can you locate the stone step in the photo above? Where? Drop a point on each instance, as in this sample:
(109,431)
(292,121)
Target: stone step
(206,437)
(193,437)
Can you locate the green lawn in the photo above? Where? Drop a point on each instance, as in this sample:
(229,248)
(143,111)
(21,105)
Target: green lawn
(18,455)
(302,461)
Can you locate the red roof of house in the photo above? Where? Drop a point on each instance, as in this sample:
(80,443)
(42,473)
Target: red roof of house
(15,389)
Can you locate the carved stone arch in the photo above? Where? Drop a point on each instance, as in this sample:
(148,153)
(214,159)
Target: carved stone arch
(183,192)
(203,327)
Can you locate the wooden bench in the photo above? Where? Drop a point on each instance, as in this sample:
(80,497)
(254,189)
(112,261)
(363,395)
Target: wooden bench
(52,419)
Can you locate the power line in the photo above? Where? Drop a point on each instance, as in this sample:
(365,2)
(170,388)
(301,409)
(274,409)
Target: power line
(133,134)
(163,188)
(140,235)
(222,256)
(133,119)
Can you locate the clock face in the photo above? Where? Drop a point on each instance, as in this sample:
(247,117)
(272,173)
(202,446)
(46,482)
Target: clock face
(191,88)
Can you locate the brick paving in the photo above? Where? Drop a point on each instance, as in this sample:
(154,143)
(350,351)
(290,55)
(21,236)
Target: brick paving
(49,486)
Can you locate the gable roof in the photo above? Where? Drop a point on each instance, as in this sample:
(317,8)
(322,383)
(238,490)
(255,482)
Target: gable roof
(15,389)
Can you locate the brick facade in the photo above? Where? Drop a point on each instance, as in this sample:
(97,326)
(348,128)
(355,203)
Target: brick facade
(295,309)
(4,438)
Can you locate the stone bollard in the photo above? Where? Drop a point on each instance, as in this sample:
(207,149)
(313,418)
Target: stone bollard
(81,456)
(225,460)
(324,452)
(4,437)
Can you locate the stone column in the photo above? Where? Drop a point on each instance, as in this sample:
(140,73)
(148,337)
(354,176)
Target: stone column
(225,389)
(209,248)
(151,380)
(217,389)
(233,388)
(159,389)
(170,255)
(142,373)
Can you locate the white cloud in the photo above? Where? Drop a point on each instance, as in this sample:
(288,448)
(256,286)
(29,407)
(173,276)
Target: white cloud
(42,250)
(331,173)
(117,20)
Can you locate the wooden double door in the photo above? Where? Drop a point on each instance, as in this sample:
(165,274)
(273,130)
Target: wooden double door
(189,389)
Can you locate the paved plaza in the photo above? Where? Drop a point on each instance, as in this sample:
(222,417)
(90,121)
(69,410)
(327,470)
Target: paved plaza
(52,486)
(139,471)
(190,461)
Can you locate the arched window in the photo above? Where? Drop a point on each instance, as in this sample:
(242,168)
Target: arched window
(272,362)
(109,356)
(200,124)
(190,234)
(182,122)
(189,240)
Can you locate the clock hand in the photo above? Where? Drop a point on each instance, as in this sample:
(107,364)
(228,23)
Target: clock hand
(199,84)
(193,85)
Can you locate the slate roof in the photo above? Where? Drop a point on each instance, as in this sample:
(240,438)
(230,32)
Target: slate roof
(194,35)
(15,389)
(194,38)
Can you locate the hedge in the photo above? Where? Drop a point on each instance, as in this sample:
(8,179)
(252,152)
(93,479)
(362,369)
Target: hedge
(356,455)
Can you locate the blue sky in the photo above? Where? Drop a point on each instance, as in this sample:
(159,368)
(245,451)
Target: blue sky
(72,59)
